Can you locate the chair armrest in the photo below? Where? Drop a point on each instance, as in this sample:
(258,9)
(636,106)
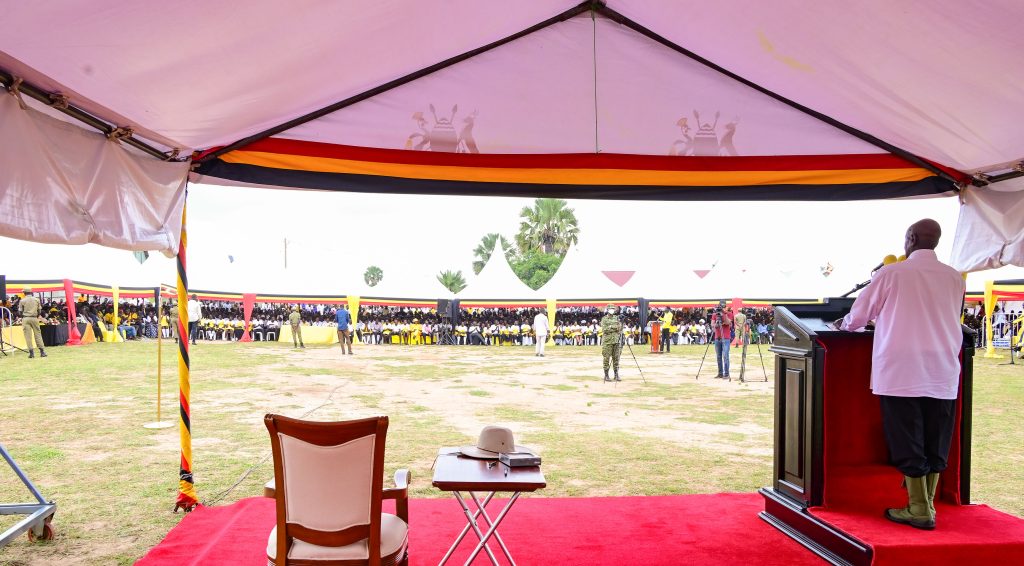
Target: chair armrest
(400,493)
(401,489)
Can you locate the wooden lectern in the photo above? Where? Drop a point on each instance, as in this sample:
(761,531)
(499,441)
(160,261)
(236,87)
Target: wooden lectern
(830,451)
(655,337)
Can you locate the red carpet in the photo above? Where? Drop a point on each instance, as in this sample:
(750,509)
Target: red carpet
(860,484)
(965,534)
(692,530)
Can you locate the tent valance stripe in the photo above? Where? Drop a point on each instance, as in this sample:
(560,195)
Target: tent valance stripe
(325,166)
(601,184)
(348,153)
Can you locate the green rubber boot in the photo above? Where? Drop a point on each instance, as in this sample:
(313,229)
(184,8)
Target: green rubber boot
(932,482)
(917,513)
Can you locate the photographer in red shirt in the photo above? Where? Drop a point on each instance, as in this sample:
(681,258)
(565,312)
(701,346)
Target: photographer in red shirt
(721,325)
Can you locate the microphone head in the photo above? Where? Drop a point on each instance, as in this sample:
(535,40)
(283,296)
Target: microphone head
(902,258)
(889,260)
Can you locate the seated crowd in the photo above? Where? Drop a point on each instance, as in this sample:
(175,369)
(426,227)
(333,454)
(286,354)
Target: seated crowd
(573,326)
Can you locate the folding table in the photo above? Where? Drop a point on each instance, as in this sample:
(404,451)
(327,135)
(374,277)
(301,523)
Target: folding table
(456,473)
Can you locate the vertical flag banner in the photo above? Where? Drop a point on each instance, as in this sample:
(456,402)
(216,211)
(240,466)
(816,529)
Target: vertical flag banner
(74,336)
(186,489)
(353,310)
(116,297)
(990,306)
(248,302)
(552,305)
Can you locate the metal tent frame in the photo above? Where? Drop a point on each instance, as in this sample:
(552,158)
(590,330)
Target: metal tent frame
(39,514)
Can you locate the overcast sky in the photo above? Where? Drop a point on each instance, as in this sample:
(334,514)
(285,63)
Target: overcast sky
(333,237)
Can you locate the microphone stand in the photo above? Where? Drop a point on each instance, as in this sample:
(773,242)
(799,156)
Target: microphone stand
(856,288)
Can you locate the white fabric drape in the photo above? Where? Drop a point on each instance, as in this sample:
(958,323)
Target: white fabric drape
(990,231)
(63,184)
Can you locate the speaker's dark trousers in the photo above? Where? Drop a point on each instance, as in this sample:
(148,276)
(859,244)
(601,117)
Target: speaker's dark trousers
(192,325)
(918,431)
(666,342)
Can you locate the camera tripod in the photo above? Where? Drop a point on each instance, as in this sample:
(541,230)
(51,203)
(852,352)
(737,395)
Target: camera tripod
(444,333)
(635,360)
(711,340)
(743,361)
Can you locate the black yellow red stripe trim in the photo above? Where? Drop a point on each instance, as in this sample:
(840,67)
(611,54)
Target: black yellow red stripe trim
(807,177)
(506,304)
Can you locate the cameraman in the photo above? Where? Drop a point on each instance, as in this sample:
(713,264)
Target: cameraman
(721,325)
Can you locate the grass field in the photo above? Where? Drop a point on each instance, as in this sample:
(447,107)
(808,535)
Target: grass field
(74,423)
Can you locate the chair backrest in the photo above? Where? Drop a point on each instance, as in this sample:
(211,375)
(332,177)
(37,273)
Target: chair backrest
(329,480)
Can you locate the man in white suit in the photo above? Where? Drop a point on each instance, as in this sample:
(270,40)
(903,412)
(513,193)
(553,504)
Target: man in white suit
(540,328)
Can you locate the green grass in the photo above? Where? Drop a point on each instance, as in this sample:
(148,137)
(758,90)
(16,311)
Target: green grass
(74,423)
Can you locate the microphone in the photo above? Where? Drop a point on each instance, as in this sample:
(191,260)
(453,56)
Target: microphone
(887,260)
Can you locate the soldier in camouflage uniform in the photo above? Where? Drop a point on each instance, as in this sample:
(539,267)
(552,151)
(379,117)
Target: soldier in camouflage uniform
(295,319)
(174,320)
(29,308)
(611,340)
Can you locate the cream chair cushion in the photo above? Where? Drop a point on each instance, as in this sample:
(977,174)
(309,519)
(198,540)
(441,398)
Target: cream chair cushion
(393,537)
(327,488)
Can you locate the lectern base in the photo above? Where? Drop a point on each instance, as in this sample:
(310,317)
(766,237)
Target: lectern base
(819,537)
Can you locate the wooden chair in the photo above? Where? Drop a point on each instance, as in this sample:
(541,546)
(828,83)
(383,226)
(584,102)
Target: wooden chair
(328,484)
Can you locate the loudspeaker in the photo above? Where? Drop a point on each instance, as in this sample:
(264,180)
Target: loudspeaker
(3,288)
(448,309)
(454,311)
(644,307)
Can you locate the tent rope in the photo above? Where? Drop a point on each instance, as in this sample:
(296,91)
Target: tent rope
(119,133)
(263,459)
(59,100)
(16,92)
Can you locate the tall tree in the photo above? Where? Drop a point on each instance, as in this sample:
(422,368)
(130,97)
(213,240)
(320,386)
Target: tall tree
(535,268)
(485,248)
(550,227)
(452,280)
(373,275)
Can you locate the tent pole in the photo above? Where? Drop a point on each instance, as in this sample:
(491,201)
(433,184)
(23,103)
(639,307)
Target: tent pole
(59,102)
(571,12)
(186,488)
(623,20)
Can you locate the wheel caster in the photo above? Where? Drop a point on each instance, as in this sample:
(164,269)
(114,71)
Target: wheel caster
(48,532)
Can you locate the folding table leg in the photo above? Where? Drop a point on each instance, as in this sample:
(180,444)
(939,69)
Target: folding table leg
(470,524)
(465,530)
(487,518)
(492,531)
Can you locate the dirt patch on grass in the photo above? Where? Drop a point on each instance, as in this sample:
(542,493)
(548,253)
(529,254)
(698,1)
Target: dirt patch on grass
(465,386)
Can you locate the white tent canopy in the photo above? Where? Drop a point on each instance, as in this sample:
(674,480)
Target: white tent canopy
(651,98)
(581,277)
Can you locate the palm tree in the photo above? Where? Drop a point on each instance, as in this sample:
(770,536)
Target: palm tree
(550,226)
(452,280)
(373,275)
(485,247)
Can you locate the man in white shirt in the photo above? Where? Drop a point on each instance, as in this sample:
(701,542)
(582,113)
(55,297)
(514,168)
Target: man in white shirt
(195,312)
(540,328)
(915,365)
